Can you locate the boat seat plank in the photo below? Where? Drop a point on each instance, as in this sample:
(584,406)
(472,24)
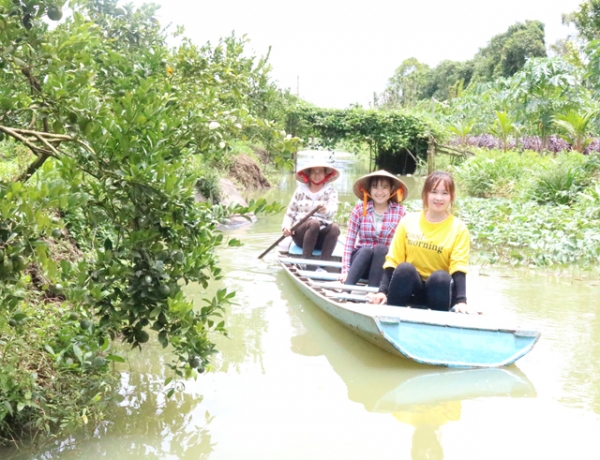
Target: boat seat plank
(346,296)
(344,287)
(321,263)
(318,275)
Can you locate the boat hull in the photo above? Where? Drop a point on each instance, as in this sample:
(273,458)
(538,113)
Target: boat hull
(426,336)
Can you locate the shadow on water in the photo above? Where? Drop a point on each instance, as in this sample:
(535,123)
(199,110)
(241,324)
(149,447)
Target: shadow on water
(424,397)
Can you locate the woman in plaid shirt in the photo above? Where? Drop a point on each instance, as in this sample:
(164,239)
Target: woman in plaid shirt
(372,226)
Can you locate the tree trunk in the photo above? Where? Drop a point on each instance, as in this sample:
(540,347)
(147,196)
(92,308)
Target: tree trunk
(430,156)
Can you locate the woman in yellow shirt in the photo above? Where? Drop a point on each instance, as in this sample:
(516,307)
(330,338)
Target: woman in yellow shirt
(428,259)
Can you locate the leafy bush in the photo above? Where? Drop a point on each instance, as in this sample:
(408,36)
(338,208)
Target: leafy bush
(560,180)
(64,379)
(494,173)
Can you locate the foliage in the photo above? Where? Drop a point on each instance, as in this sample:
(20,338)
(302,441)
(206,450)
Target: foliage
(507,53)
(461,129)
(443,81)
(387,133)
(531,99)
(406,86)
(544,88)
(503,127)
(63,380)
(114,119)
(577,128)
(526,233)
(561,180)
(503,56)
(495,173)
(586,19)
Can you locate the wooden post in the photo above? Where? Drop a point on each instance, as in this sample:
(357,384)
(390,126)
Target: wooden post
(430,155)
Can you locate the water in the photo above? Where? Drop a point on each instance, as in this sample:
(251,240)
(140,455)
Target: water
(291,383)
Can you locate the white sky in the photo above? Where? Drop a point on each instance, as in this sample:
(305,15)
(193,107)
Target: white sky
(343,51)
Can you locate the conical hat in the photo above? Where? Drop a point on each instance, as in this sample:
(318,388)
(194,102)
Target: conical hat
(302,174)
(364,183)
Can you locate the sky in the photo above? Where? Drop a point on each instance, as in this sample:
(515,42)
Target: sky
(334,53)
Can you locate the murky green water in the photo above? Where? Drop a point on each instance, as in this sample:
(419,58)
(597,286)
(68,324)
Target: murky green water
(291,383)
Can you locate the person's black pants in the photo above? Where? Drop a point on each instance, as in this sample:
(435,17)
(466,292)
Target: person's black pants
(367,263)
(310,236)
(408,288)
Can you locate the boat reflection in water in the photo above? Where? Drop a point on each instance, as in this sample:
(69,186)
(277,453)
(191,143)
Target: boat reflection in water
(419,395)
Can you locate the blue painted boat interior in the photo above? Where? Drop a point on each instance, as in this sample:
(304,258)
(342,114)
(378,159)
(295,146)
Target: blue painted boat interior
(297,250)
(455,347)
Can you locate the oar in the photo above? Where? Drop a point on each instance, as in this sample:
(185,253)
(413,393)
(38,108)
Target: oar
(300,222)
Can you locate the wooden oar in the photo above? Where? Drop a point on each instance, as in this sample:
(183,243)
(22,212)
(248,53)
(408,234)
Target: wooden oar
(300,222)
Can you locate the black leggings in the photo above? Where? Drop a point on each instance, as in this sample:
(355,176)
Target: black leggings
(408,288)
(367,263)
(310,236)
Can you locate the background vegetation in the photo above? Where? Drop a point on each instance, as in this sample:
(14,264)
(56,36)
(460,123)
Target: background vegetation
(106,133)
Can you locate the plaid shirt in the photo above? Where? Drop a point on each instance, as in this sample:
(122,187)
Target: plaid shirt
(363,229)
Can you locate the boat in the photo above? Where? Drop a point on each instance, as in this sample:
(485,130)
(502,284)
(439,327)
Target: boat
(425,336)
(384,384)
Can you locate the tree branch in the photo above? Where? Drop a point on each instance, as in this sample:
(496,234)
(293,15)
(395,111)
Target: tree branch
(31,138)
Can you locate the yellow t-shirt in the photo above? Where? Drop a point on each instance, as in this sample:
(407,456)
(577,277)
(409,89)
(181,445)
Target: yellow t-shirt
(430,246)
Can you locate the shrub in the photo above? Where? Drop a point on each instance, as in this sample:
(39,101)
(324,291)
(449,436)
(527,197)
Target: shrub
(494,173)
(560,180)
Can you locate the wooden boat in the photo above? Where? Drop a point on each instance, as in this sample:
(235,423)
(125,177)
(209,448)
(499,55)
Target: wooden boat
(382,383)
(425,336)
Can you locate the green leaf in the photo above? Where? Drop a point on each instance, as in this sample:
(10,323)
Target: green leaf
(78,353)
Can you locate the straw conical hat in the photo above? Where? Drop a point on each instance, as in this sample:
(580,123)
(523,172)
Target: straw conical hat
(302,174)
(364,183)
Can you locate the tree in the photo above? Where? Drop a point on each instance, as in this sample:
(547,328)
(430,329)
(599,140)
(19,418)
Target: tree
(586,19)
(507,53)
(503,127)
(442,81)
(113,118)
(407,84)
(543,88)
(576,128)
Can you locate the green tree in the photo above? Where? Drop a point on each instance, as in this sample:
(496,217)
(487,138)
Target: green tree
(545,87)
(442,81)
(507,53)
(504,127)
(113,118)
(407,84)
(586,19)
(576,128)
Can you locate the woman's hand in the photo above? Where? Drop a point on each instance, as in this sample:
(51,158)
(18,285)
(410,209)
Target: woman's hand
(377,298)
(343,277)
(462,308)
(287,231)
(322,207)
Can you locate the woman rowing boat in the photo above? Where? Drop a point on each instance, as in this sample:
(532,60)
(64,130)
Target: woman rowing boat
(318,232)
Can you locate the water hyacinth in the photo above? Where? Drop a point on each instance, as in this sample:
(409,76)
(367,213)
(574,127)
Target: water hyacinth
(526,233)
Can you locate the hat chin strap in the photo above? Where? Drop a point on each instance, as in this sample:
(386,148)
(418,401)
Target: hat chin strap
(325,179)
(366,196)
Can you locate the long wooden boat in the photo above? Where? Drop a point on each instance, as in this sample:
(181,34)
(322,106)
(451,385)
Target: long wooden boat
(425,336)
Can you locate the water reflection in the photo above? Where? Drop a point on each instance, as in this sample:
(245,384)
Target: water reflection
(422,396)
(146,424)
